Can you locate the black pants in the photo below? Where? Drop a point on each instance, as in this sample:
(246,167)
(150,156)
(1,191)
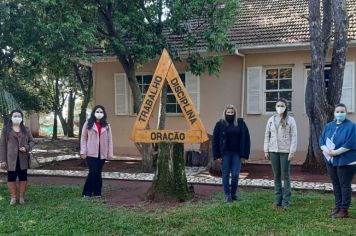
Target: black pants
(94,181)
(341,177)
(12,175)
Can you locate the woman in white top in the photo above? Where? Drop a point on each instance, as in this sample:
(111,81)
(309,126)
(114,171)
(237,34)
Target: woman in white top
(280,145)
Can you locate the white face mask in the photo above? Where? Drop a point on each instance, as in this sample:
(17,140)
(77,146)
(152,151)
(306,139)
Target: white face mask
(280,110)
(99,115)
(16,120)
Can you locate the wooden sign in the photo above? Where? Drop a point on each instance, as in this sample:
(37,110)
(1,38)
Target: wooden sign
(166,71)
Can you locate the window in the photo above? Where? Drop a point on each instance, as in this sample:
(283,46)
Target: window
(278,84)
(123,98)
(348,86)
(172,105)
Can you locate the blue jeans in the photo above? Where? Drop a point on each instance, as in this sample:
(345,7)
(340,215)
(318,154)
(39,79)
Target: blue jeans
(231,163)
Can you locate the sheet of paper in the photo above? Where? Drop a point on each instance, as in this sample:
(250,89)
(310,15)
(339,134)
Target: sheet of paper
(330,145)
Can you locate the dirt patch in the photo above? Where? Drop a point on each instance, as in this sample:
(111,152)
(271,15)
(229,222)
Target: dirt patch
(127,193)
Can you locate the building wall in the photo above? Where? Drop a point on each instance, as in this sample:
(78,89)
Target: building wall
(215,93)
(299,59)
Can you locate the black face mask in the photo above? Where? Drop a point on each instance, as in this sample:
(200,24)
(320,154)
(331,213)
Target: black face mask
(230,118)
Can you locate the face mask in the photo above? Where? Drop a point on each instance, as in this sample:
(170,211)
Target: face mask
(99,115)
(16,120)
(230,118)
(340,116)
(280,110)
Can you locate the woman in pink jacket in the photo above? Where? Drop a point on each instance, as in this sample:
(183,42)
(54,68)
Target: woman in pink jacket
(95,147)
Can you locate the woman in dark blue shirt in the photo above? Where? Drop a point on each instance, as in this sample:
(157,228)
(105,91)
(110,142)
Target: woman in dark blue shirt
(231,143)
(338,142)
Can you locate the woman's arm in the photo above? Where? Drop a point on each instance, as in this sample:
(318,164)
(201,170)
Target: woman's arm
(83,140)
(31,142)
(247,142)
(267,137)
(216,141)
(3,147)
(111,151)
(294,137)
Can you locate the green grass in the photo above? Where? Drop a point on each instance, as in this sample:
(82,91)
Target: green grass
(59,210)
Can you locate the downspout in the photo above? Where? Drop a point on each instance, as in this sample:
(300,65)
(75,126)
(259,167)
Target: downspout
(243,82)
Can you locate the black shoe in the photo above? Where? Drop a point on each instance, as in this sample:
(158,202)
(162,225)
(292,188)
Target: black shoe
(228,199)
(236,198)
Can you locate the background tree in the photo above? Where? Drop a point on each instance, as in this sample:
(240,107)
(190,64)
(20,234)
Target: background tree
(137,31)
(45,35)
(330,26)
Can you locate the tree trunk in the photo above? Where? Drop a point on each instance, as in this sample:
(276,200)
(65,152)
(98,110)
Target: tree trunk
(162,108)
(63,122)
(339,51)
(87,92)
(320,102)
(170,182)
(56,103)
(71,106)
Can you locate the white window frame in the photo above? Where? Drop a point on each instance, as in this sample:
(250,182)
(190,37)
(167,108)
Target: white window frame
(127,112)
(264,90)
(350,63)
(197,106)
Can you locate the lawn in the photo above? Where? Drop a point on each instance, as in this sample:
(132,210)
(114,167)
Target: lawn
(59,210)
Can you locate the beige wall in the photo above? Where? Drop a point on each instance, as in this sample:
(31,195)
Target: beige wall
(215,93)
(256,123)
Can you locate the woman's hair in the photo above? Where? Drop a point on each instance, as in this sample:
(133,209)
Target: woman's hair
(285,113)
(341,105)
(8,125)
(92,118)
(230,107)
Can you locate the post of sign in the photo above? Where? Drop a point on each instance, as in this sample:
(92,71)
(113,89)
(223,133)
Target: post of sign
(166,71)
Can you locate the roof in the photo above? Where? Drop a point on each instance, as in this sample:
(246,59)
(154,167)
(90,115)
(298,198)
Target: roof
(267,23)
(275,22)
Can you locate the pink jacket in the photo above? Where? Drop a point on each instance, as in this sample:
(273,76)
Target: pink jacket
(89,143)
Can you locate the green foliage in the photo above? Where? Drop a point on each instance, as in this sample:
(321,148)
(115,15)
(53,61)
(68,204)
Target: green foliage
(59,210)
(137,31)
(39,40)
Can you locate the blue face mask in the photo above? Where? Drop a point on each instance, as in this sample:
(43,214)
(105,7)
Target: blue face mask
(340,116)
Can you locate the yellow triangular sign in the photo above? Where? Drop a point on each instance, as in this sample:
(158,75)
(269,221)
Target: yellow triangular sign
(166,71)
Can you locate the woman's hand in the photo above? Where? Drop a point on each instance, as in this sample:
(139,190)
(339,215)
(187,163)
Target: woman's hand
(290,156)
(22,149)
(243,160)
(266,156)
(83,156)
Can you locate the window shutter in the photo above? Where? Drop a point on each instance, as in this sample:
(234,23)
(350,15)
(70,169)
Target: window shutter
(348,87)
(121,94)
(192,83)
(254,90)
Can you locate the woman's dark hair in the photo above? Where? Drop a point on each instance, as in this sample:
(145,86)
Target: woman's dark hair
(341,105)
(8,126)
(92,118)
(285,113)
